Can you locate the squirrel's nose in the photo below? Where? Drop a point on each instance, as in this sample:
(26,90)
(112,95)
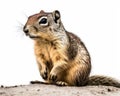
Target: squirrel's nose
(25,29)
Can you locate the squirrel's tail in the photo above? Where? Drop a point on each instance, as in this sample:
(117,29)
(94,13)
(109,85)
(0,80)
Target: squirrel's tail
(103,80)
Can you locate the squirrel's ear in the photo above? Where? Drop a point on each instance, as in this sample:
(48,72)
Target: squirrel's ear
(42,11)
(56,15)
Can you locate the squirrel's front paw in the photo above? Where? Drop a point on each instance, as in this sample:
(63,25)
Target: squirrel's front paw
(44,74)
(53,77)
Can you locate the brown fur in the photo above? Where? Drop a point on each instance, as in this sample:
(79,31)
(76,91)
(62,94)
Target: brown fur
(62,57)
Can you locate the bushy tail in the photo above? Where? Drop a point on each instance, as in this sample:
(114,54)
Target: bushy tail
(103,80)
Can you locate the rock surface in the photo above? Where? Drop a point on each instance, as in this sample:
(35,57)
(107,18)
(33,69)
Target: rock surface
(52,90)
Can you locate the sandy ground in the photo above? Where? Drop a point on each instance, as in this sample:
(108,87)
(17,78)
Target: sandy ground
(52,90)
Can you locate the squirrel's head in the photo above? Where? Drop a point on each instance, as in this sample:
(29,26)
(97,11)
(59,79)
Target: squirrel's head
(43,25)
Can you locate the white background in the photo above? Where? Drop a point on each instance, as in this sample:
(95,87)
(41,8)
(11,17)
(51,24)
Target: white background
(96,22)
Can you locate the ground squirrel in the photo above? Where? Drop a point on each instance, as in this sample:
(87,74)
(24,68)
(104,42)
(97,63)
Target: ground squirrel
(61,56)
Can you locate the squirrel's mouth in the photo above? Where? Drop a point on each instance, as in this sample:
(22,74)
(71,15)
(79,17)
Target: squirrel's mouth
(32,36)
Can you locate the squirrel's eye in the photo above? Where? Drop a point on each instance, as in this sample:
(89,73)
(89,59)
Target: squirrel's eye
(43,21)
